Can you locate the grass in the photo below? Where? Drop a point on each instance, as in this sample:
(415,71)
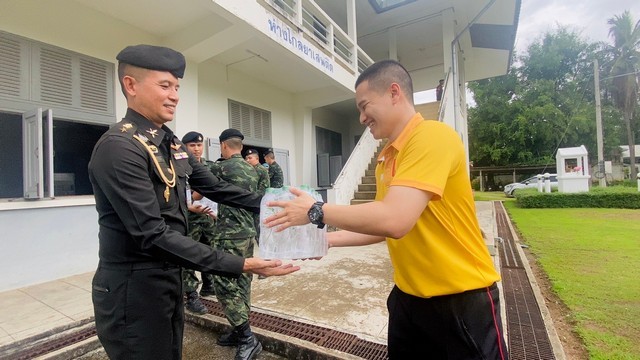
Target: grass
(592,258)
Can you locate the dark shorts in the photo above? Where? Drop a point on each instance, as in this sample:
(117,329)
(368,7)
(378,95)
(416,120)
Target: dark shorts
(138,311)
(459,326)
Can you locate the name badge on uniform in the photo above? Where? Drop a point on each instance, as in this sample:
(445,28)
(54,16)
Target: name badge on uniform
(180,155)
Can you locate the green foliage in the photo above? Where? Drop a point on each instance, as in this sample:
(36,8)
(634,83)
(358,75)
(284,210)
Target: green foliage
(619,197)
(545,102)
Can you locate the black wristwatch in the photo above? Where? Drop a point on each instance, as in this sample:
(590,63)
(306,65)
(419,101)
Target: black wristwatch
(316,215)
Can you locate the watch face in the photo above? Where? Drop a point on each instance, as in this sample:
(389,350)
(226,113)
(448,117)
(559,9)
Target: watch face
(314,215)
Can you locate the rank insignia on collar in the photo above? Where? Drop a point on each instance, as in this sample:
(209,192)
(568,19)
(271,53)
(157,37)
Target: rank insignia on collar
(153,132)
(175,147)
(126,127)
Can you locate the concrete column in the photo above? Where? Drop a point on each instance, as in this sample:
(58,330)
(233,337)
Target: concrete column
(393,44)
(352,32)
(304,155)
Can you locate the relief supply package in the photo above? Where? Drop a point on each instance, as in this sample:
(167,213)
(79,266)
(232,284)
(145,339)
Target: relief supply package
(296,242)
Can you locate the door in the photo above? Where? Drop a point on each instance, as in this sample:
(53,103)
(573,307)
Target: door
(282,157)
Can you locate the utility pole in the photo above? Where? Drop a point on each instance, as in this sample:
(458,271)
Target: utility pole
(599,139)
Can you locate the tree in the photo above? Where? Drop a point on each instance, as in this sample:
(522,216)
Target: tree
(624,71)
(544,103)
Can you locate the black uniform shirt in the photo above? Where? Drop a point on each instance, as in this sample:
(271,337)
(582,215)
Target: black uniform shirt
(137,222)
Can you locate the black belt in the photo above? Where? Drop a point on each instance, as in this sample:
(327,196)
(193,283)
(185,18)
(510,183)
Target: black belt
(143,265)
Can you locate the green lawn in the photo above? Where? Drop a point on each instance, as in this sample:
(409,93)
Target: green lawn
(592,257)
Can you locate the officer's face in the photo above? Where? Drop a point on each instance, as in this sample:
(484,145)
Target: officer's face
(155,96)
(374,107)
(196,149)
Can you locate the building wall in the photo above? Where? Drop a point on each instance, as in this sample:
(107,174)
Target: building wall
(217,86)
(44,244)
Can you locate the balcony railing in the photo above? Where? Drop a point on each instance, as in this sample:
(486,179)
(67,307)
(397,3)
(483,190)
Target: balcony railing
(307,15)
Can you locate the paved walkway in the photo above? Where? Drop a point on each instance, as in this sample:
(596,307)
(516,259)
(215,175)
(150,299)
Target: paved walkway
(346,291)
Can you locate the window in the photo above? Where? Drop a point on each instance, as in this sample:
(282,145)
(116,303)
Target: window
(72,144)
(54,106)
(253,123)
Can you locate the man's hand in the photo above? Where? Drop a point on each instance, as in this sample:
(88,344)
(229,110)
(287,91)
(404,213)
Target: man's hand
(294,212)
(268,267)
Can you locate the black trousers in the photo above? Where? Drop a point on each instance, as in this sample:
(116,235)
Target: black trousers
(459,326)
(138,310)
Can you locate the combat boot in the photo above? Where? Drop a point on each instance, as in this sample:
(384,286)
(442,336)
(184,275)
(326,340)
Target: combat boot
(194,304)
(248,345)
(229,339)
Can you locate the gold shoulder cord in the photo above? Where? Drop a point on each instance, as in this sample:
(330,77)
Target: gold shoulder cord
(170,183)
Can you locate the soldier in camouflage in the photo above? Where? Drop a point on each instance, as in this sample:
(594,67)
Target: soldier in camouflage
(201,228)
(276,176)
(235,231)
(253,158)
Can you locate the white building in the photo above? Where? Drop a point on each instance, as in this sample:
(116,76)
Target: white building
(281,71)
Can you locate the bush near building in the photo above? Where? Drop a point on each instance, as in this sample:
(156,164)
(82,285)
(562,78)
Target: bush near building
(618,197)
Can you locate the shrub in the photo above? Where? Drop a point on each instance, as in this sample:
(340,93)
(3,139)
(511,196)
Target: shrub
(619,197)
(475,183)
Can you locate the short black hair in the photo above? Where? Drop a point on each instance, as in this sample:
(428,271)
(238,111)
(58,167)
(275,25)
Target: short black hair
(383,73)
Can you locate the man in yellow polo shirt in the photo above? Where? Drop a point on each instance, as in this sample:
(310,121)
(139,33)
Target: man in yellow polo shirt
(445,304)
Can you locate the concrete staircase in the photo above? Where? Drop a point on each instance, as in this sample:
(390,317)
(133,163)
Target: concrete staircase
(367,189)
(429,111)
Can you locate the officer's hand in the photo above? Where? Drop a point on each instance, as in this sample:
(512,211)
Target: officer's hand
(294,212)
(268,267)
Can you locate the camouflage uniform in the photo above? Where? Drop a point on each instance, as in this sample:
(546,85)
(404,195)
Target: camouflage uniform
(275,175)
(263,184)
(201,229)
(234,233)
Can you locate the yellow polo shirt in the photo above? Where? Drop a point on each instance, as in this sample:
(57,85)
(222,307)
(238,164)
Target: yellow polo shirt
(444,253)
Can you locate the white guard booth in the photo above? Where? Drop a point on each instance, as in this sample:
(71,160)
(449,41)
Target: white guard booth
(573,169)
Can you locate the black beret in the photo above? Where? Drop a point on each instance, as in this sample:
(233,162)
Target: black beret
(192,136)
(251,151)
(154,58)
(230,133)
(267,152)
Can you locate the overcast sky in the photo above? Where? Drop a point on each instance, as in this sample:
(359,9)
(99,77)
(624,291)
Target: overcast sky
(588,17)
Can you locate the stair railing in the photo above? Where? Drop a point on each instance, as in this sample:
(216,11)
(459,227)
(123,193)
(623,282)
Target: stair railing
(353,170)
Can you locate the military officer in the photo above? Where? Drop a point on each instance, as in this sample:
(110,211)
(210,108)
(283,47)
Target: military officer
(201,228)
(235,231)
(275,171)
(252,157)
(139,171)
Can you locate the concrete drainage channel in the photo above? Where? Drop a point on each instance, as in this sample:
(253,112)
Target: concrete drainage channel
(531,334)
(284,337)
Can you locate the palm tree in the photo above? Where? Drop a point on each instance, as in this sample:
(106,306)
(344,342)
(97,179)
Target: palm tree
(626,64)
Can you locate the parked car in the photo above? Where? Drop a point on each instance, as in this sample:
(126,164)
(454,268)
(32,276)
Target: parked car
(531,182)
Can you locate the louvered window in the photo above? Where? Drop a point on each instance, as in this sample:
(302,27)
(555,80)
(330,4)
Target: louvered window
(253,123)
(42,75)
(13,60)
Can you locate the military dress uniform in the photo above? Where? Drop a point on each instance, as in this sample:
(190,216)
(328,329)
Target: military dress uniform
(139,174)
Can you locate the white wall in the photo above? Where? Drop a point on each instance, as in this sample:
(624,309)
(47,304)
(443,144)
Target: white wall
(216,87)
(45,244)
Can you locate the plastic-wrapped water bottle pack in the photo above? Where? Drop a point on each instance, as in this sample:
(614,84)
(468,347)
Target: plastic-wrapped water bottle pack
(295,242)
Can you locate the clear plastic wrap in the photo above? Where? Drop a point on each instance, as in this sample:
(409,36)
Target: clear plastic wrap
(296,242)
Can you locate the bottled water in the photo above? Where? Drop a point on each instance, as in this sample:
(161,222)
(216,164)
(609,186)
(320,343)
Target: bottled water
(295,242)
